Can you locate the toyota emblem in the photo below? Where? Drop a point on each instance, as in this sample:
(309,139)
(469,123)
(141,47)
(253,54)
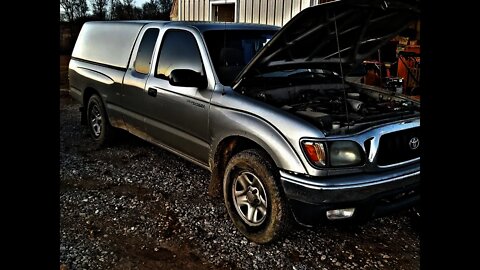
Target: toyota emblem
(414,143)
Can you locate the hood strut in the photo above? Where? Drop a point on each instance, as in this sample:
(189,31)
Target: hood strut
(341,72)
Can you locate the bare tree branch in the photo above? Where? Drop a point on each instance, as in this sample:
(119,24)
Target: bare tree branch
(74,9)
(99,9)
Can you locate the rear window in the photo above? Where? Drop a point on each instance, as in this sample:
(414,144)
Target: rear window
(145,50)
(231,50)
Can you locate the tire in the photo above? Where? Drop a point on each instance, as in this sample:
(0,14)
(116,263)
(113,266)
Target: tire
(253,197)
(97,121)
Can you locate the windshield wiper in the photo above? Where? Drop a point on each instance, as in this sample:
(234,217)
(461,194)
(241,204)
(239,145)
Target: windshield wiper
(323,73)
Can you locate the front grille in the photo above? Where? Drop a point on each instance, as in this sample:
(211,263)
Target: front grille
(399,146)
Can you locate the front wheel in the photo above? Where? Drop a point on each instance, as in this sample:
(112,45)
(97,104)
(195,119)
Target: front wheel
(253,198)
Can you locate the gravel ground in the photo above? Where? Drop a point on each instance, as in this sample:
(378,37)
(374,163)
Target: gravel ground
(135,206)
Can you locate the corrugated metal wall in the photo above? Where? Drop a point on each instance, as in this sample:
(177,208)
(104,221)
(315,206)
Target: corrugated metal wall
(273,12)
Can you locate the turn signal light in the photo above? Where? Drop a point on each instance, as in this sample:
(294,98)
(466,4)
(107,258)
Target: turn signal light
(315,152)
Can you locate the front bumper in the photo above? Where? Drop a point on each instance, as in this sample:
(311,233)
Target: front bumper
(371,194)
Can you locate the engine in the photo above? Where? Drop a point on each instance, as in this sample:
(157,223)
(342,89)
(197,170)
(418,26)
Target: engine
(336,110)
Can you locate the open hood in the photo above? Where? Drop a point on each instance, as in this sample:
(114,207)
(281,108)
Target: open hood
(309,40)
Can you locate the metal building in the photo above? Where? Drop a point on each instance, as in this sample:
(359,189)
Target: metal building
(272,12)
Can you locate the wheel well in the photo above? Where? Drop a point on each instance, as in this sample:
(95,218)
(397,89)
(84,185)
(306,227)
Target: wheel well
(87,93)
(226,149)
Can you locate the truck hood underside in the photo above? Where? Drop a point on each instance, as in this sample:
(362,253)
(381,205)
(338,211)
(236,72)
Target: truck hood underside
(309,40)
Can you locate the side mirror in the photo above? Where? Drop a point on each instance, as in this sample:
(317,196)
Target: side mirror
(187,78)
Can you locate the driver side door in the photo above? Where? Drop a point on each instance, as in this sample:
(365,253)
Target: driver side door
(176,116)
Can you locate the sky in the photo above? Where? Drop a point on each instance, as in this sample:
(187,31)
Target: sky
(139,3)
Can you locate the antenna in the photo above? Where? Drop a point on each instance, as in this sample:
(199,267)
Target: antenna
(341,71)
(224,43)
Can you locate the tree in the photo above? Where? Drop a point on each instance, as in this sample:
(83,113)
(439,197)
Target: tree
(74,9)
(128,3)
(99,9)
(128,8)
(81,9)
(68,7)
(125,10)
(151,10)
(112,9)
(75,13)
(157,9)
(165,5)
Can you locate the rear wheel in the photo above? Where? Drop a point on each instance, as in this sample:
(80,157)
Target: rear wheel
(99,127)
(253,198)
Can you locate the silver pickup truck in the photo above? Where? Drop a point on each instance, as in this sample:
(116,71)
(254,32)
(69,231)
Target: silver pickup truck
(267,110)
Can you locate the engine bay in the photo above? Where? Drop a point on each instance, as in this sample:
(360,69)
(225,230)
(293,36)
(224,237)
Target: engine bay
(336,109)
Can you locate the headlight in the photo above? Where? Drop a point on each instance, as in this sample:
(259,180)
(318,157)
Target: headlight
(333,154)
(344,153)
(315,151)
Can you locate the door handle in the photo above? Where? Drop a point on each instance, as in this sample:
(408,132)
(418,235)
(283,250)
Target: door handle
(152,92)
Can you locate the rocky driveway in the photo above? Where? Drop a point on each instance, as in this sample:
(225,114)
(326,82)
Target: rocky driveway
(135,206)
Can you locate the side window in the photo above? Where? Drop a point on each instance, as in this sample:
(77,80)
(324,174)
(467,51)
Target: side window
(179,51)
(145,50)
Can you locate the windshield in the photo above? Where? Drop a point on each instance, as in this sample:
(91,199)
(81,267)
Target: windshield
(231,50)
